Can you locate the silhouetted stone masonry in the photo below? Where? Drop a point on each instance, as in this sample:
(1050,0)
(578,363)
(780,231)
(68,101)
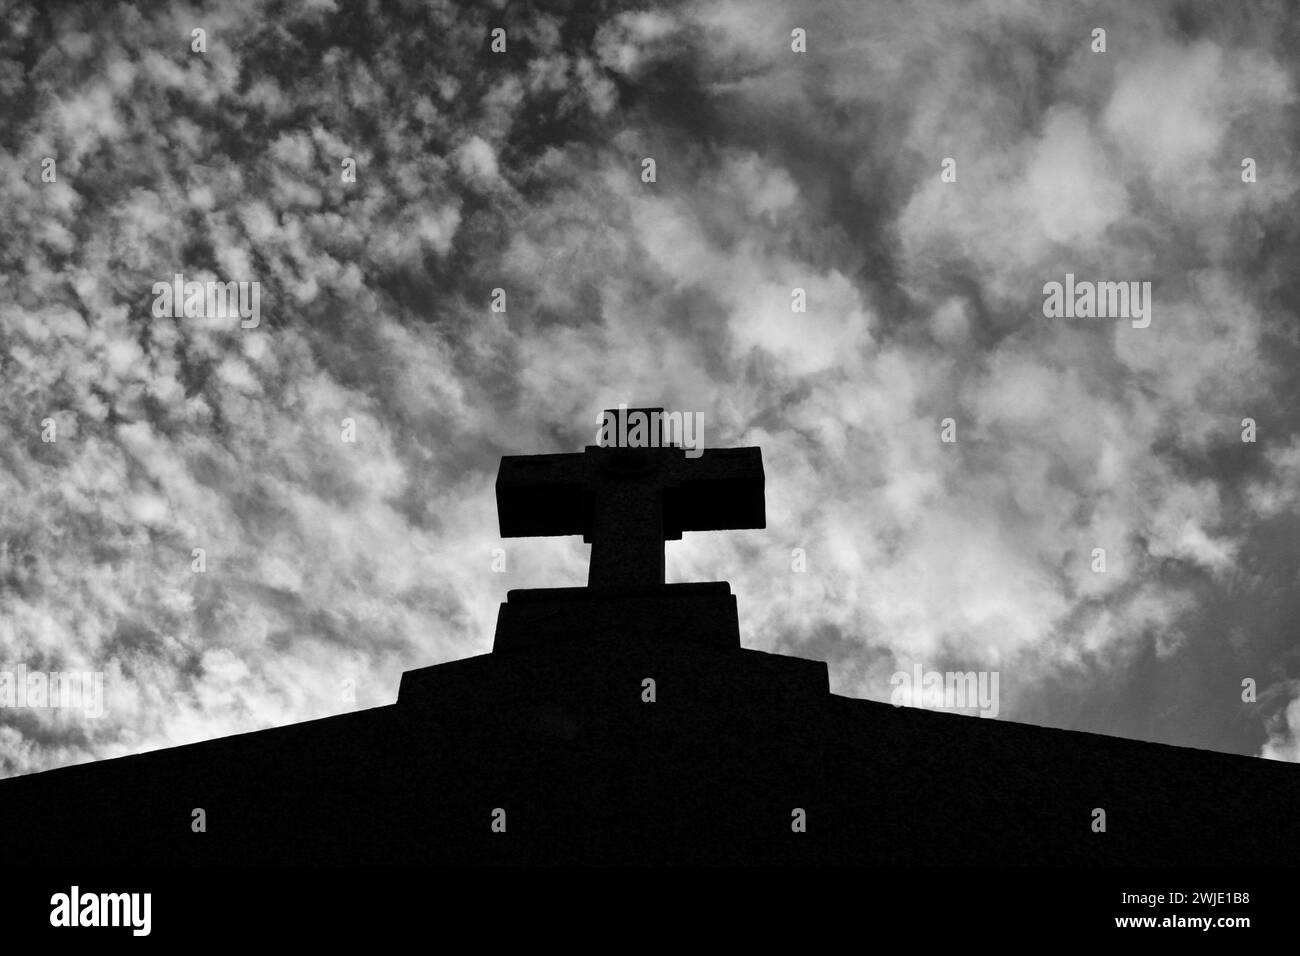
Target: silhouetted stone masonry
(554,729)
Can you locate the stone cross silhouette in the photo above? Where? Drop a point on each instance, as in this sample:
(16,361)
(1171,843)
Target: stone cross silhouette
(627,501)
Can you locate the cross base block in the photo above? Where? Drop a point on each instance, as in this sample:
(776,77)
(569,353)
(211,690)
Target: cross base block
(698,613)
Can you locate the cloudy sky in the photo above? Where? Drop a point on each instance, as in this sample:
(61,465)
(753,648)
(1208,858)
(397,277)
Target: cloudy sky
(333,565)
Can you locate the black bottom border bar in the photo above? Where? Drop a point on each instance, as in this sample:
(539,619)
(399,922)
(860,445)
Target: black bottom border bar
(335,905)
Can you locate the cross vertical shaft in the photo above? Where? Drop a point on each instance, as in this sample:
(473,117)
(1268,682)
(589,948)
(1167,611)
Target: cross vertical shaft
(627,536)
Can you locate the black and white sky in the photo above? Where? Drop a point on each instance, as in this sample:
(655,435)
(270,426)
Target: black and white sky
(332,567)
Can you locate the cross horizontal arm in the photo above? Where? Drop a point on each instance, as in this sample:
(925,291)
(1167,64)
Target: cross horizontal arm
(540,495)
(721,489)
